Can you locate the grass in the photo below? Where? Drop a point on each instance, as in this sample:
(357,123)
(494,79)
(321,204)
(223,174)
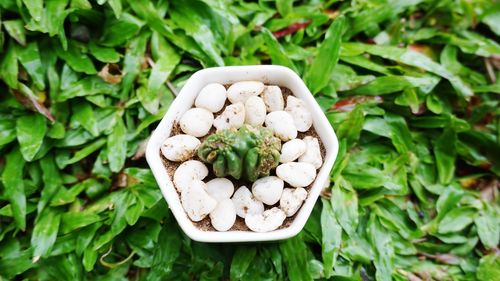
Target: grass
(410,86)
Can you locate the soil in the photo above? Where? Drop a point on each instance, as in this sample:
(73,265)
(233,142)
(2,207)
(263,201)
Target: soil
(239,225)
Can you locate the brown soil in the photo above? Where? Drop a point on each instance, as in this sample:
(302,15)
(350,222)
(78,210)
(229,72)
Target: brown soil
(239,225)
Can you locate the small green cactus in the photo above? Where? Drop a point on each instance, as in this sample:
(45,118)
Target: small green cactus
(248,153)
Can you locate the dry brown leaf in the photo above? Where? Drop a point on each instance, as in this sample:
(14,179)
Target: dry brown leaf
(111,73)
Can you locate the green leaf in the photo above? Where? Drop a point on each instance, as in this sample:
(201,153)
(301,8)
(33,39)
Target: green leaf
(148,12)
(331,238)
(276,51)
(491,19)
(29,57)
(35,8)
(86,151)
(104,54)
(10,267)
(118,31)
(132,61)
(457,219)
(9,67)
(85,236)
(52,20)
(391,216)
(294,251)
(52,181)
(88,86)
(344,203)
(76,59)
(351,128)
(75,220)
(165,253)
(31,130)
(83,115)
(242,259)
(319,73)
(410,98)
(16,30)
(391,84)
(448,200)
(445,153)
(488,227)
(489,268)
(117,146)
(45,233)
(411,58)
(189,15)
(161,71)
(7,131)
(284,7)
(400,134)
(116,6)
(382,246)
(56,131)
(12,180)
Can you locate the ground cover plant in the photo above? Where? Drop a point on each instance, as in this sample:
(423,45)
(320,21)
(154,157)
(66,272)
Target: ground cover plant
(410,86)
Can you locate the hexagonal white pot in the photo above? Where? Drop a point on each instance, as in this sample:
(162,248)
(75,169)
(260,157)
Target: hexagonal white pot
(269,74)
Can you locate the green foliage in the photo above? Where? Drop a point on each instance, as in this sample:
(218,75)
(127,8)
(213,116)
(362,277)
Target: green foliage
(410,86)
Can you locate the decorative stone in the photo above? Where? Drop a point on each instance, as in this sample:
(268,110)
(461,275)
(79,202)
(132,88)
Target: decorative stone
(180,147)
(273,98)
(220,188)
(245,203)
(212,97)
(297,108)
(296,174)
(282,125)
(292,199)
(267,221)
(232,117)
(241,91)
(255,111)
(187,172)
(268,189)
(196,201)
(313,152)
(291,150)
(196,122)
(224,215)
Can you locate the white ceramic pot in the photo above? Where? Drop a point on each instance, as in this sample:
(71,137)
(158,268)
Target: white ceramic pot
(269,74)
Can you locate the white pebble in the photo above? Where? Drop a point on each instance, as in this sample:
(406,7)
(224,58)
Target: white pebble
(245,203)
(291,200)
(188,172)
(302,118)
(220,188)
(267,221)
(281,123)
(255,111)
(196,201)
(273,98)
(212,97)
(296,174)
(232,117)
(313,152)
(291,150)
(196,122)
(268,189)
(241,91)
(224,215)
(180,147)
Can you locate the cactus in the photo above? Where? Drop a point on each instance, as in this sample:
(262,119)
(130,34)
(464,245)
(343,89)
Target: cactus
(248,153)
